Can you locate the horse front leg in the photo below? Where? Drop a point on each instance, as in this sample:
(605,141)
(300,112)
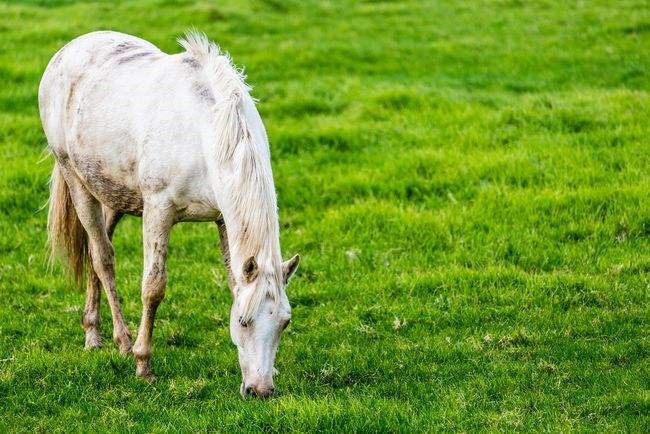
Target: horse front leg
(157,222)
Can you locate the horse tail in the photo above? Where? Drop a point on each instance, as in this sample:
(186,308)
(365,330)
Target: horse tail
(66,235)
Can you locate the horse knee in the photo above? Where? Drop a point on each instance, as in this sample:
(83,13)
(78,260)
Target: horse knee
(153,286)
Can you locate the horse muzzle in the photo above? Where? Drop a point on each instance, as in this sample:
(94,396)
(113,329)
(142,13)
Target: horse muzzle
(257,391)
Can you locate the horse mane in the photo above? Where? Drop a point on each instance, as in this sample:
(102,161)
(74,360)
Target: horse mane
(252,193)
(225,79)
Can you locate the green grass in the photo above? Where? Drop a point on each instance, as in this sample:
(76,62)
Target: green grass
(468,184)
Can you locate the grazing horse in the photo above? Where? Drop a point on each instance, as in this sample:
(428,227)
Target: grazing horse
(171,138)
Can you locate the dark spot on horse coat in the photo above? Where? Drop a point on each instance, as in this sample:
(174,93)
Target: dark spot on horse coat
(204,93)
(133,57)
(123,47)
(110,192)
(71,109)
(154,183)
(68,104)
(192,62)
(61,156)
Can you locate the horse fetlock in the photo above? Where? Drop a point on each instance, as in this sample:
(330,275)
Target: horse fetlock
(91,319)
(141,351)
(122,339)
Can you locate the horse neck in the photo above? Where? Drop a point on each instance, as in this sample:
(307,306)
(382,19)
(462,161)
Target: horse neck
(245,189)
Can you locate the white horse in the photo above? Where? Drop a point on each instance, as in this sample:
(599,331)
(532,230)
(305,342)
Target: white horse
(171,138)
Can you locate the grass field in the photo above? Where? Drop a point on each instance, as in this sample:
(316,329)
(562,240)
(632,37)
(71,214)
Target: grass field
(468,184)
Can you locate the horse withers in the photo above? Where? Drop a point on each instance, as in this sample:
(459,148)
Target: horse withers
(171,138)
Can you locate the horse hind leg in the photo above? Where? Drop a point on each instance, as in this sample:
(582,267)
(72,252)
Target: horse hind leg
(100,249)
(92,316)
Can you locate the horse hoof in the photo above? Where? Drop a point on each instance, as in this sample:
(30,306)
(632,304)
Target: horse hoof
(93,340)
(92,346)
(148,378)
(143,370)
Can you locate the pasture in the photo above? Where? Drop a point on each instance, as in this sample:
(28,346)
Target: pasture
(467,183)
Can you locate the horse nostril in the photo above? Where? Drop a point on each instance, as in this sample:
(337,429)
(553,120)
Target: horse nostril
(272,391)
(248,390)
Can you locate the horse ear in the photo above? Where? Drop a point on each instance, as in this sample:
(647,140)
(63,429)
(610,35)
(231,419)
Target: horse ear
(289,267)
(250,269)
